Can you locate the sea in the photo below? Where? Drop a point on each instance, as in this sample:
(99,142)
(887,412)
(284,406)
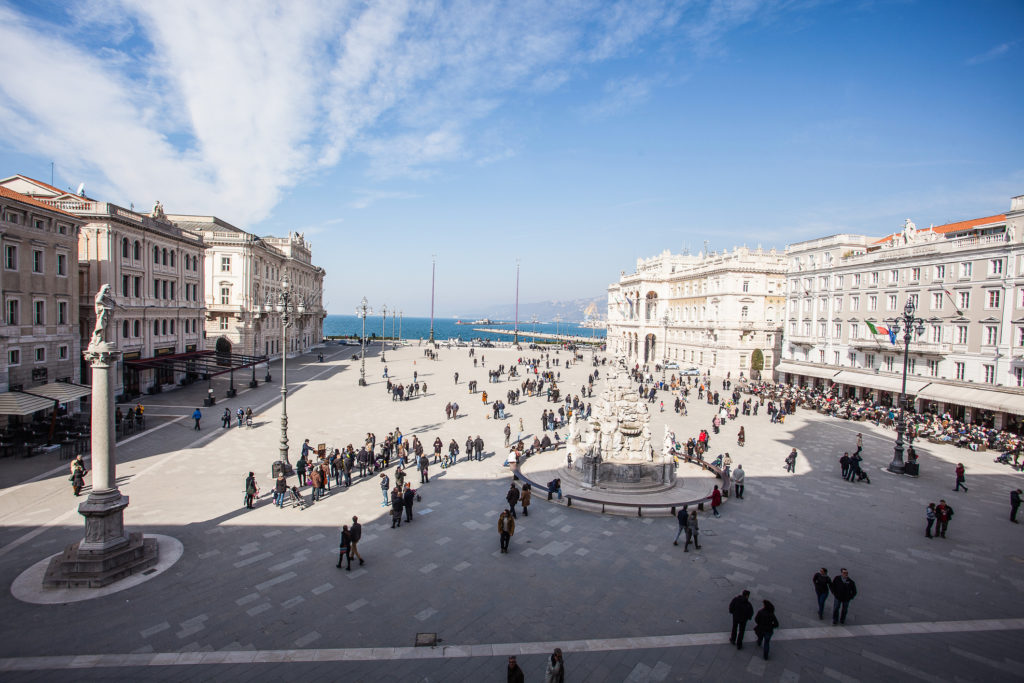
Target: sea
(445,328)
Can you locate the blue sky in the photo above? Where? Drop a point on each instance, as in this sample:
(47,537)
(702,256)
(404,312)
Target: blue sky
(573,136)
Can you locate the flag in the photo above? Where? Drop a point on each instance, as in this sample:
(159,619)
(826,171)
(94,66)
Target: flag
(892,337)
(879,329)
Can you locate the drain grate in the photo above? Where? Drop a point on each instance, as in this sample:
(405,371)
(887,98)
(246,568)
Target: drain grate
(426,639)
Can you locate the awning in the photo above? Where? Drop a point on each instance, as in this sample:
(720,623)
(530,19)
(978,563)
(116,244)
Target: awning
(19,403)
(882,382)
(822,371)
(989,399)
(61,392)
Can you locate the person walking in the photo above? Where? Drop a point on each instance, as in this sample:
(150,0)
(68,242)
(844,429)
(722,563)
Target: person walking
(225,419)
(692,531)
(345,548)
(791,461)
(1014,505)
(77,477)
(742,612)
(408,498)
(197,415)
(280,490)
(355,533)
(741,438)
(250,490)
(765,624)
(424,469)
(300,469)
(929,515)
(515,674)
(512,497)
(508,433)
(385,487)
(943,513)
(524,499)
(683,517)
(844,464)
(821,589)
(506,527)
(844,590)
(738,478)
(716,501)
(960,477)
(555,670)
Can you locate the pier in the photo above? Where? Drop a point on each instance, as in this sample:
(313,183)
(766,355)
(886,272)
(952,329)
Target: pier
(546,336)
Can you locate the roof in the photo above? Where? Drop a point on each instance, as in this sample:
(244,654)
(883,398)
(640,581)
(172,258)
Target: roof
(25,199)
(951,227)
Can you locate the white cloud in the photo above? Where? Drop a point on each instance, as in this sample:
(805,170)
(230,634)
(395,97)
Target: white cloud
(222,107)
(995,53)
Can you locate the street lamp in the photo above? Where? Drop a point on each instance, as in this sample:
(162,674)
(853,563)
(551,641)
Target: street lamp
(383,322)
(664,347)
(399,326)
(363,310)
(909,325)
(289,305)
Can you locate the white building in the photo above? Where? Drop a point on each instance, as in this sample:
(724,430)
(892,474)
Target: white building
(966,282)
(243,272)
(719,312)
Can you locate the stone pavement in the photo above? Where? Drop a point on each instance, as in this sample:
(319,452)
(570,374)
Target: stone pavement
(256,595)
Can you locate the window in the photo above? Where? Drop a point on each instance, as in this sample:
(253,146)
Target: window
(62,312)
(746,285)
(966,269)
(14,357)
(891,303)
(821,357)
(156,288)
(995,266)
(225,264)
(990,374)
(172,258)
(856,279)
(822,331)
(164,288)
(940,272)
(961,334)
(124,329)
(13,314)
(172,327)
(840,279)
(894,275)
(224,323)
(165,257)
(41,354)
(37,261)
(888,363)
(854,303)
(11,258)
(937,301)
(994,298)
(837,332)
(912,366)
(837,303)
(835,358)
(156,327)
(163,326)
(172,288)
(137,251)
(915,273)
(872,303)
(961,370)
(936,334)
(225,296)
(965,300)
(124,285)
(124,247)
(137,286)
(854,331)
(991,335)
(156,254)
(1019,374)
(62,265)
(62,352)
(136,328)
(874,278)
(744,312)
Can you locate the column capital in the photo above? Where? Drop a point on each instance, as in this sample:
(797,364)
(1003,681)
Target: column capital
(101,355)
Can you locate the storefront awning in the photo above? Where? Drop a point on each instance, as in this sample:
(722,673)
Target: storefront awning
(988,399)
(62,392)
(19,403)
(881,382)
(821,371)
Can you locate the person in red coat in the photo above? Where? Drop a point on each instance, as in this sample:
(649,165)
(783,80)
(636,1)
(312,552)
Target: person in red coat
(716,501)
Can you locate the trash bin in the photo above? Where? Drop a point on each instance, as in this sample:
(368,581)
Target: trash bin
(279,467)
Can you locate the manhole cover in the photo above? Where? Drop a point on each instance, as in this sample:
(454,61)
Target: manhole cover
(426,639)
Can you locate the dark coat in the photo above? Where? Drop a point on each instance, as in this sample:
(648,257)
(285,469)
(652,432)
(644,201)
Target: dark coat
(408,497)
(356,532)
(741,609)
(512,496)
(765,622)
(844,590)
(821,583)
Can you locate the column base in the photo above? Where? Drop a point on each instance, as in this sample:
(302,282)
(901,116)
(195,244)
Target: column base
(75,568)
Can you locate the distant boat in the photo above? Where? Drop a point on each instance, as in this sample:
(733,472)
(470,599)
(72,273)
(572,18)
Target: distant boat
(483,321)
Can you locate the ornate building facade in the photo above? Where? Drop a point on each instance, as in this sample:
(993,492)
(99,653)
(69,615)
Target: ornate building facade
(39,337)
(156,274)
(244,273)
(718,312)
(965,281)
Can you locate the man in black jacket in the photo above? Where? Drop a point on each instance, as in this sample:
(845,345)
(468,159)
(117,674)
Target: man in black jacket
(512,497)
(821,588)
(356,533)
(742,612)
(844,590)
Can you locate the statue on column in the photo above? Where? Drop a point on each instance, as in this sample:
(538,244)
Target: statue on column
(104,305)
(158,210)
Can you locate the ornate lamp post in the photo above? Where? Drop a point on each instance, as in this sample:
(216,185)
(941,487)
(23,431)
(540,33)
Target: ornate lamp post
(289,305)
(363,310)
(909,325)
(399,326)
(383,322)
(664,346)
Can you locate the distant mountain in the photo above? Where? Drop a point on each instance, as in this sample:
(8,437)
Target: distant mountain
(570,311)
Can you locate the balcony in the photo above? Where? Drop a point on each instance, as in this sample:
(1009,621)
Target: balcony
(801,339)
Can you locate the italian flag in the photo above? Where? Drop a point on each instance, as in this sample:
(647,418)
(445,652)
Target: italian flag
(877,330)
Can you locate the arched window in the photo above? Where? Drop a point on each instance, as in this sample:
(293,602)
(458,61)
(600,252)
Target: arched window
(124,329)
(165,257)
(137,252)
(172,259)
(163,325)
(156,254)
(156,327)
(136,328)
(124,247)
(172,327)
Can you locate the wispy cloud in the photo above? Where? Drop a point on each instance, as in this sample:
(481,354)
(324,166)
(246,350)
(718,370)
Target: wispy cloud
(223,107)
(367,198)
(995,53)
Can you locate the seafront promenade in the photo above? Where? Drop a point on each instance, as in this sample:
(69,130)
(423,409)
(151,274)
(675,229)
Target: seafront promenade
(256,594)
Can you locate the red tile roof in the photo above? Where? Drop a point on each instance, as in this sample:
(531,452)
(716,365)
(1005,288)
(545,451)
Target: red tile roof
(951,227)
(25,199)
(41,183)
